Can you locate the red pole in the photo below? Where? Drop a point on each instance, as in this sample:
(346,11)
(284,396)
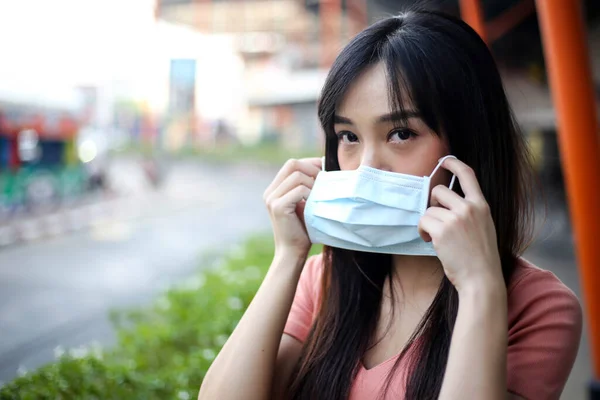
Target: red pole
(510,18)
(472,14)
(330,18)
(565,49)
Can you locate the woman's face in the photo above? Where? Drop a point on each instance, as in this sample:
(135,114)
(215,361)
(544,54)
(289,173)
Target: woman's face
(367,137)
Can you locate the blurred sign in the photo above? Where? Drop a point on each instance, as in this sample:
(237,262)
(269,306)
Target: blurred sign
(182,100)
(182,85)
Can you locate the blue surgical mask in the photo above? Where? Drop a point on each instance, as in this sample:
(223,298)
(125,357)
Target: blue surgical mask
(369,210)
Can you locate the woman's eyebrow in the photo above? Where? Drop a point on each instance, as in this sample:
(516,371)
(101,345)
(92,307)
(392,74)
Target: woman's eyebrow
(338,119)
(398,116)
(391,117)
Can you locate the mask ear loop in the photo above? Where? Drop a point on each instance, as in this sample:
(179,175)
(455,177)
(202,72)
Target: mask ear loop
(323,163)
(438,167)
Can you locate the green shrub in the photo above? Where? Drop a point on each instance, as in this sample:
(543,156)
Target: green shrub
(164,350)
(263,153)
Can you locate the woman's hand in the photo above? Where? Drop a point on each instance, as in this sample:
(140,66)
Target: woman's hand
(285,199)
(462,232)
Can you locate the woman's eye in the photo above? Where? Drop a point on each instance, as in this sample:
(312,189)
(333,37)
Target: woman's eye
(347,137)
(401,135)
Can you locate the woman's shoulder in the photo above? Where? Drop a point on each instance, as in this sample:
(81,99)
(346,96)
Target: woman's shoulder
(537,294)
(312,276)
(313,268)
(526,274)
(544,331)
(315,262)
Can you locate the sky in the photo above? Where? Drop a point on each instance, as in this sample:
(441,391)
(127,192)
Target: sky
(49,47)
(73,41)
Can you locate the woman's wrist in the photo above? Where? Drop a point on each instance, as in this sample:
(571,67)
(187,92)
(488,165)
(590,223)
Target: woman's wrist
(288,260)
(484,296)
(488,283)
(291,254)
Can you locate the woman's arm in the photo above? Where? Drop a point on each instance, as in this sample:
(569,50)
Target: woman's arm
(245,367)
(476,367)
(464,236)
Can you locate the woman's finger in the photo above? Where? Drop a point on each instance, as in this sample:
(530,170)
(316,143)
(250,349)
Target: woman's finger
(466,177)
(316,161)
(287,203)
(442,195)
(296,178)
(428,226)
(309,166)
(441,214)
(291,165)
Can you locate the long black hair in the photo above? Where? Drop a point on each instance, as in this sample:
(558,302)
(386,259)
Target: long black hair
(451,79)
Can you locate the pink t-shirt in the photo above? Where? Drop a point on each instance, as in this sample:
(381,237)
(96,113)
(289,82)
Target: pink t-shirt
(544,328)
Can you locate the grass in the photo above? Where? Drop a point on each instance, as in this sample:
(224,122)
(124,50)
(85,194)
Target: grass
(264,153)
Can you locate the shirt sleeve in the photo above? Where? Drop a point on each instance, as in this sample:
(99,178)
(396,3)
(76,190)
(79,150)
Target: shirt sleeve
(303,308)
(545,323)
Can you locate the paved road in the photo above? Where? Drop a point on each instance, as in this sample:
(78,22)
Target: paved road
(58,292)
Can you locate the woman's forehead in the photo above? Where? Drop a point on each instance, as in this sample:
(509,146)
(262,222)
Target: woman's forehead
(368,95)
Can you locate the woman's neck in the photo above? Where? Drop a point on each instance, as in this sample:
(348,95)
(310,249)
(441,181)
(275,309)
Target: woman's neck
(416,275)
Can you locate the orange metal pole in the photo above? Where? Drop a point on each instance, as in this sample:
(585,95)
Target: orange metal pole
(510,18)
(330,17)
(472,14)
(565,49)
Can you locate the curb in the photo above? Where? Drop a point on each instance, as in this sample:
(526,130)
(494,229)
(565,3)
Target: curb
(67,219)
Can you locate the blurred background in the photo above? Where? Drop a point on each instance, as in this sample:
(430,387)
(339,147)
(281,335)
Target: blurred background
(138,135)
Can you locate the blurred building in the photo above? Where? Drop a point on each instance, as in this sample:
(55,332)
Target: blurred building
(280,45)
(287,45)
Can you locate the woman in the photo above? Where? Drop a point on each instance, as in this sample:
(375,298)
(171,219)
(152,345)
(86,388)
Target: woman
(475,321)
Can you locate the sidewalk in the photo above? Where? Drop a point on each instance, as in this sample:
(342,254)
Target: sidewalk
(67,218)
(129,190)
